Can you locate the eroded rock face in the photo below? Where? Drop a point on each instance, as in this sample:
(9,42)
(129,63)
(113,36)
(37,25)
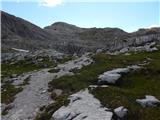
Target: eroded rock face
(149,47)
(51,53)
(148,101)
(82,106)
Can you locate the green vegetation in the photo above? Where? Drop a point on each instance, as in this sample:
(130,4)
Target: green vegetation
(48,111)
(53,70)
(88,75)
(23,66)
(30,64)
(19,67)
(65,59)
(132,86)
(5,111)
(8,92)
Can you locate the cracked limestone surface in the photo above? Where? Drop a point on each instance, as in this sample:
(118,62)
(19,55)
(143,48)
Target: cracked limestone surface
(35,94)
(81,108)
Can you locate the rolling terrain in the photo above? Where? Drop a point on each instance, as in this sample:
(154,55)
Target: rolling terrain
(64,72)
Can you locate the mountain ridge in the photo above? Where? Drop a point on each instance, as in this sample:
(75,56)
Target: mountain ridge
(64,37)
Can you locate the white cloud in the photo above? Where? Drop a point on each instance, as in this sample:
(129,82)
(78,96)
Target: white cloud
(154,25)
(50,3)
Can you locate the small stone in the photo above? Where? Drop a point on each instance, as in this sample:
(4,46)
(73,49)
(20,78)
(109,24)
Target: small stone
(149,101)
(121,112)
(44,91)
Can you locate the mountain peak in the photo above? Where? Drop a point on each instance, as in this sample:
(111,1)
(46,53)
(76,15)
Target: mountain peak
(63,27)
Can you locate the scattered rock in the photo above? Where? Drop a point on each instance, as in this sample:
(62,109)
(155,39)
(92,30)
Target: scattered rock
(149,47)
(96,86)
(75,64)
(93,86)
(99,50)
(44,91)
(149,101)
(120,112)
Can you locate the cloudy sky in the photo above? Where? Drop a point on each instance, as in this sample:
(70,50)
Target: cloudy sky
(128,15)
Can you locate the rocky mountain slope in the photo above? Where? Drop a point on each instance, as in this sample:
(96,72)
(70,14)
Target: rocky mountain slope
(108,39)
(120,81)
(18,33)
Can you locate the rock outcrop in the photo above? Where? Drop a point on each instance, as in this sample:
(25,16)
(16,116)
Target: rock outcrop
(112,76)
(81,108)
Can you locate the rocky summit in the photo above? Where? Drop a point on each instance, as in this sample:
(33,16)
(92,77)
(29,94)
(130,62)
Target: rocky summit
(64,72)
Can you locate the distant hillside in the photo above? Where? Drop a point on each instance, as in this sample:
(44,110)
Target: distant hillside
(84,39)
(21,34)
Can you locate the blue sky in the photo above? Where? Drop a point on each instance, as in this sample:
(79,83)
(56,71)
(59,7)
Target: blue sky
(126,15)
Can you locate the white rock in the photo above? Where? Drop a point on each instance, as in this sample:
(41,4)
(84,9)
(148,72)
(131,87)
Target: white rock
(124,50)
(82,106)
(134,67)
(104,86)
(149,101)
(20,50)
(75,64)
(149,47)
(110,78)
(113,75)
(153,49)
(120,111)
(99,50)
(93,86)
(44,91)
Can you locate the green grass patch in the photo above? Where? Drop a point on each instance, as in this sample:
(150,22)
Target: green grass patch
(8,92)
(23,66)
(48,111)
(65,59)
(54,70)
(133,86)
(5,111)
(19,67)
(88,75)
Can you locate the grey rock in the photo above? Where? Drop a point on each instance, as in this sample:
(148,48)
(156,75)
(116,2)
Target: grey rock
(148,101)
(121,112)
